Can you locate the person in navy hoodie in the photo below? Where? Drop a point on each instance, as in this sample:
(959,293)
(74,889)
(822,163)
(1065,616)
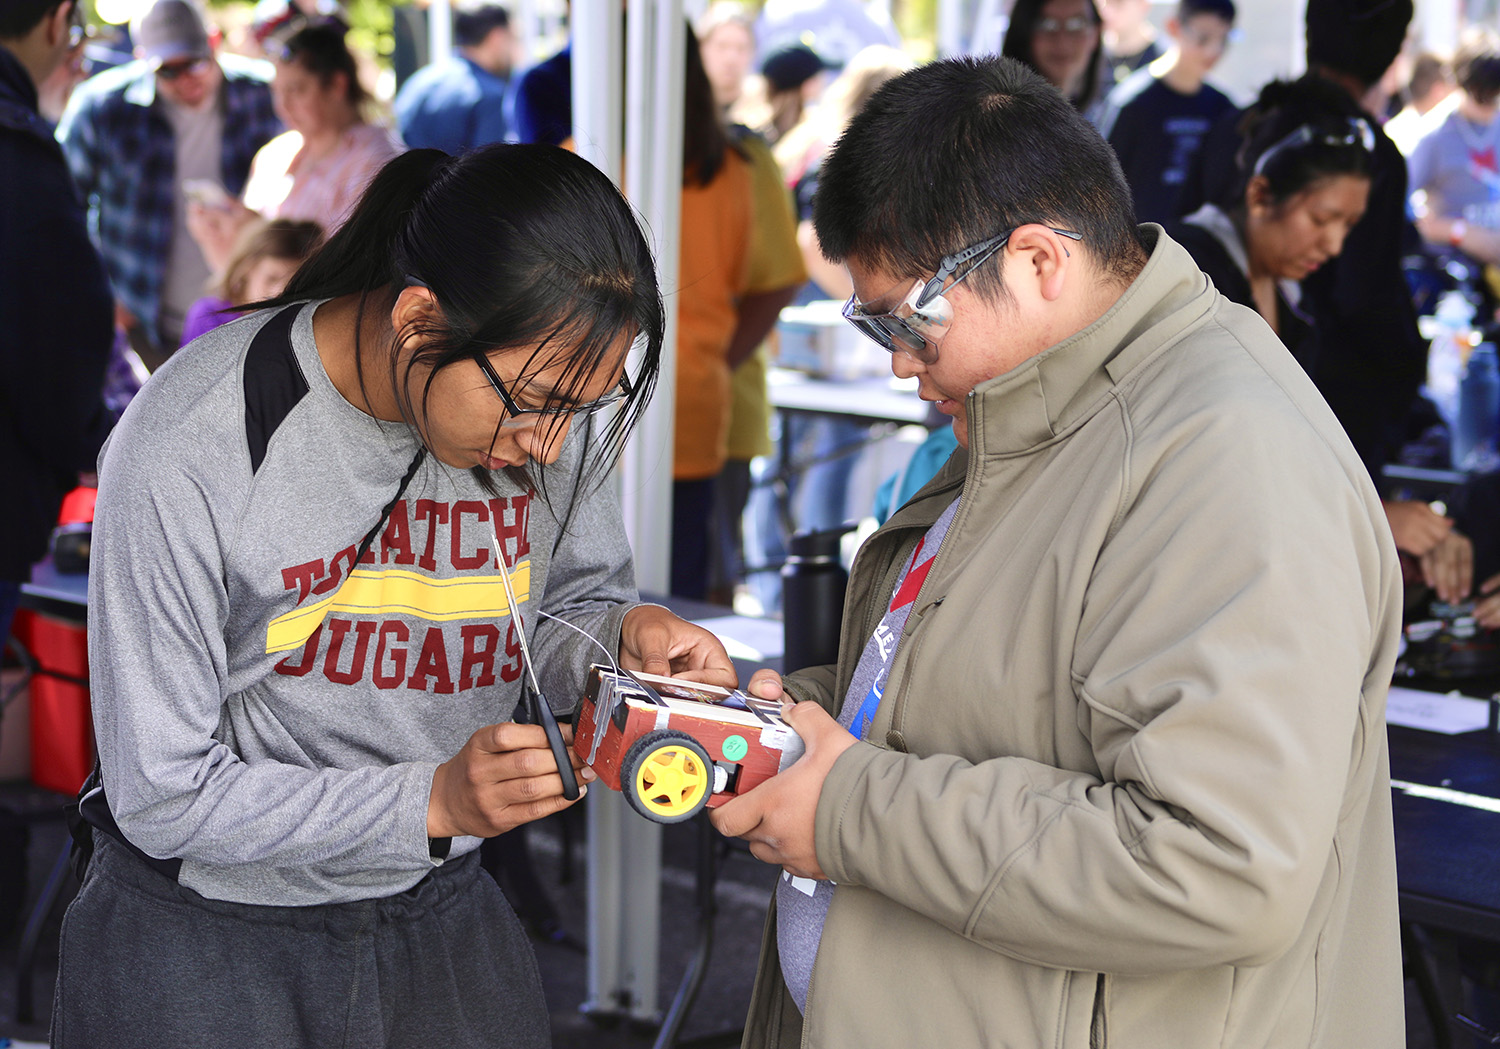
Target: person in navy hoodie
(56,312)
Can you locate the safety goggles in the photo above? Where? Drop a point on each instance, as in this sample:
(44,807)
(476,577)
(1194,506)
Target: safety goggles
(518,416)
(920,321)
(1356,132)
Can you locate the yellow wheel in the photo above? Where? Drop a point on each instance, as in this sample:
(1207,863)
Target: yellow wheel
(666,776)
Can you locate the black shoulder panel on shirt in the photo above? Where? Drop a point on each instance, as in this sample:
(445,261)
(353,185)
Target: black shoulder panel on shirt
(274,382)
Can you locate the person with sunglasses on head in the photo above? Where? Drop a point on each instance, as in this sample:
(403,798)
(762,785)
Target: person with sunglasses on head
(55,306)
(306,660)
(136,134)
(1096,756)
(1307,162)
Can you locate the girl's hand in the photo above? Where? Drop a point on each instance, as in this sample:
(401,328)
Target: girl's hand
(503,777)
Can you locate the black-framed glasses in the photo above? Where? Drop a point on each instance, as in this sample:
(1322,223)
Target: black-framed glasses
(1072,26)
(1356,131)
(918,323)
(518,416)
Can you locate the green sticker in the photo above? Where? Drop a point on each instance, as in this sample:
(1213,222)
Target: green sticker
(735,748)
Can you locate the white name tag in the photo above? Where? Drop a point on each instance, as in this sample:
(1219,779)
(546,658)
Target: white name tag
(802,885)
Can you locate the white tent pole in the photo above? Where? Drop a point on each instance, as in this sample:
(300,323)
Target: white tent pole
(624,863)
(439,30)
(653,181)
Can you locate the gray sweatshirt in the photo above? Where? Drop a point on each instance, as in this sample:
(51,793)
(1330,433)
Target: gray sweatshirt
(264,713)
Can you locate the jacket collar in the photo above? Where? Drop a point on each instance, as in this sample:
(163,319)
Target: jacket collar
(141,91)
(15,81)
(1066,383)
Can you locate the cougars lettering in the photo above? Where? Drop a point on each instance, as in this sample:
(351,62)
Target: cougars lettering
(349,622)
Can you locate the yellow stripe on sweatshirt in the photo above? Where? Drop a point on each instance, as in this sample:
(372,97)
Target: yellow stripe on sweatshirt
(372,592)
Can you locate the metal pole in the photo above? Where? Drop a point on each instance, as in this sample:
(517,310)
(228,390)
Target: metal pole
(653,180)
(439,30)
(625,850)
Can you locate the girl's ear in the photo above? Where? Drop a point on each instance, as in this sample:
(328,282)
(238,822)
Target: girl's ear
(414,305)
(1258,194)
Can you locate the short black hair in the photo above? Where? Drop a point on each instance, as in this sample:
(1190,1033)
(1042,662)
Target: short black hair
(1193,8)
(473,22)
(960,150)
(1476,64)
(19,17)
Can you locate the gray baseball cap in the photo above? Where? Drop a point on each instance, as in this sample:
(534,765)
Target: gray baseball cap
(170,31)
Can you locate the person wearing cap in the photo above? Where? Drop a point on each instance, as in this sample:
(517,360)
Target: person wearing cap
(459,103)
(134,136)
(55,308)
(1096,765)
(795,76)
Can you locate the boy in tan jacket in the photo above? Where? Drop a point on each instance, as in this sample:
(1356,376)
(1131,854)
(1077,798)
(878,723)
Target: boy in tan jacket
(1103,759)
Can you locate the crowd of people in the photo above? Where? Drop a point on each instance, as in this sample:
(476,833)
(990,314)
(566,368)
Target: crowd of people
(1094,756)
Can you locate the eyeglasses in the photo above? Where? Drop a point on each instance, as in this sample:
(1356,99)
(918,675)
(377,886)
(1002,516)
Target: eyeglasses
(517,416)
(173,70)
(1357,132)
(920,321)
(1072,26)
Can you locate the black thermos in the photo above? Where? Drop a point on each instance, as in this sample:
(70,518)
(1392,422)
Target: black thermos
(812,598)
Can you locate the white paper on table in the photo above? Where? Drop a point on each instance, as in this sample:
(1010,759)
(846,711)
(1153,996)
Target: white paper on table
(746,638)
(1449,714)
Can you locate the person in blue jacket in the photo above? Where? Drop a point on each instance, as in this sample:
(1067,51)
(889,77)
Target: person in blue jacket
(459,103)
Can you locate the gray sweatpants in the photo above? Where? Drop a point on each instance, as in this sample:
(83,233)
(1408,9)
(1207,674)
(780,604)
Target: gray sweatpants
(148,964)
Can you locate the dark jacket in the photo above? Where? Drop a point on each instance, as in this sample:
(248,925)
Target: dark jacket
(1214,259)
(56,327)
(1371,358)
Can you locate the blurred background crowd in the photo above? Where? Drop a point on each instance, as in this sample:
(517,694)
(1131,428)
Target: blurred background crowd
(1345,197)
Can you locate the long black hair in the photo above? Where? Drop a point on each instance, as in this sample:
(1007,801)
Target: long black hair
(527,248)
(705,139)
(1017,44)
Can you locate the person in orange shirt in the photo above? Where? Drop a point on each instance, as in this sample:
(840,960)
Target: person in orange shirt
(715,315)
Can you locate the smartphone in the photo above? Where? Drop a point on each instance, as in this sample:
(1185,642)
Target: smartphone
(205,191)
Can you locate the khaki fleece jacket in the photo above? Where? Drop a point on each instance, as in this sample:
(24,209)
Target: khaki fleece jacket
(1128,784)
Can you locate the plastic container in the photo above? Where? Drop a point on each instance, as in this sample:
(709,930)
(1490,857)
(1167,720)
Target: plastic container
(816,339)
(1452,334)
(1475,446)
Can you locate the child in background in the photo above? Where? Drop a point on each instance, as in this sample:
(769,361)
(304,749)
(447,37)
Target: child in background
(1157,119)
(267,255)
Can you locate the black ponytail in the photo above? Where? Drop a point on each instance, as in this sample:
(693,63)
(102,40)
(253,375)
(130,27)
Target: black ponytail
(361,255)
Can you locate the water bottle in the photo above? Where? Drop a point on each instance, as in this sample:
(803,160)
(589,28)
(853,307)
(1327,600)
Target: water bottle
(1453,321)
(1475,448)
(813,582)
